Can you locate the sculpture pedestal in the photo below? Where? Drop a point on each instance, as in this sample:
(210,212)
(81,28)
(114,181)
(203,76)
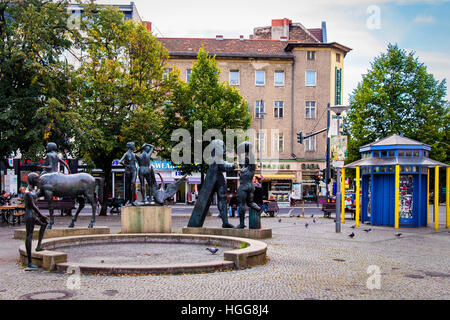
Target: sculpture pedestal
(21,234)
(231,232)
(254,219)
(146,219)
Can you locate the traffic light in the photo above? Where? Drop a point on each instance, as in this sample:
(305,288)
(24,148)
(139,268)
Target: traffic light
(323,174)
(300,137)
(317,179)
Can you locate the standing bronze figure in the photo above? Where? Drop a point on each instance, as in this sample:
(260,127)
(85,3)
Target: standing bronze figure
(214,183)
(33,217)
(51,160)
(246,188)
(146,170)
(129,161)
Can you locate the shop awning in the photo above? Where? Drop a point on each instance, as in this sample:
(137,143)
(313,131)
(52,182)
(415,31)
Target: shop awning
(279,177)
(194,180)
(167,179)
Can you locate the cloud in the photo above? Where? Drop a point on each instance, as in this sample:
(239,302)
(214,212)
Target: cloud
(423,18)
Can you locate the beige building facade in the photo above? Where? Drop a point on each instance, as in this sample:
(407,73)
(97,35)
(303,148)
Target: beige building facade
(288,75)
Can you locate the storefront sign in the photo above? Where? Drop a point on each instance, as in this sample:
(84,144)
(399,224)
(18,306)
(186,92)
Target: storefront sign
(157,165)
(310,166)
(163,166)
(176,174)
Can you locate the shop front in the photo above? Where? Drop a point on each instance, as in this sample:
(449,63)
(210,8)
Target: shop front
(278,187)
(310,188)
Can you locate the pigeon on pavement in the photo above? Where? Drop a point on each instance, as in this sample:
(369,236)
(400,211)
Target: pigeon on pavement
(367,230)
(279,220)
(353,227)
(306,225)
(213,250)
(351,235)
(314,220)
(398,234)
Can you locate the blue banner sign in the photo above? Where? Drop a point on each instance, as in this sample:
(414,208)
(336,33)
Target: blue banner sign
(157,165)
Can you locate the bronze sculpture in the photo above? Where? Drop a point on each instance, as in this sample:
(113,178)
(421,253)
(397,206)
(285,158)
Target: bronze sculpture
(79,186)
(162,194)
(33,217)
(146,170)
(246,188)
(129,161)
(214,183)
(51,160)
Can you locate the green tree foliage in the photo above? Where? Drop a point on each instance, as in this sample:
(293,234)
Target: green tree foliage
(204,98)
(119,89)
(399,96)
(33,35)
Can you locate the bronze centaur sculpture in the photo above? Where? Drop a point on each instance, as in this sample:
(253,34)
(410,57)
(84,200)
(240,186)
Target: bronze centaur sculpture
(79,186)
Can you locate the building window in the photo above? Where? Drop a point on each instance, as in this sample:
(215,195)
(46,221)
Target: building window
(338,86)
(310,110)
(260,77)
(260,142)
(311,55)
(234,77)
(188,75)
(310,144)
(338,57)
(259,109)
(166,73)
(279,142)
(278,109)
(310,78)
(279,78)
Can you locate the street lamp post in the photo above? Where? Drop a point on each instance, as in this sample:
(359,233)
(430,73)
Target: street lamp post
(260,115)
(338,111)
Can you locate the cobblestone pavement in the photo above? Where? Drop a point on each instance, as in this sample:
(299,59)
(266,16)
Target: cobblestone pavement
(304,263)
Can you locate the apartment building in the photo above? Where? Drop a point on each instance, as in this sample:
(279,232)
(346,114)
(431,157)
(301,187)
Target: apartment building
(75,56)
(288,74)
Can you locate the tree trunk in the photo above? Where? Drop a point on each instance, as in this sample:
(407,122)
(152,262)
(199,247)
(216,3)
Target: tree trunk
(106,187)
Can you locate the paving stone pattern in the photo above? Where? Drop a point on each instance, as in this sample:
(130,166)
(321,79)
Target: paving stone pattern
(304,263)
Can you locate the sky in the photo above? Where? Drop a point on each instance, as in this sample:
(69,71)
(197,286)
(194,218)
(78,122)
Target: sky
(366,26)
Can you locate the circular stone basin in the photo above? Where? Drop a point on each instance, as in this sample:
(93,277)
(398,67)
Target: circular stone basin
(151,253)
(142,253)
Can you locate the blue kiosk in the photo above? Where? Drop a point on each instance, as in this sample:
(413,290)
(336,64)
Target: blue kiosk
(395,182)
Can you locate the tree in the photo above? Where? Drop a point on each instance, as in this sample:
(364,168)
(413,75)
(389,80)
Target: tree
(119,89)
(204,98)
(33,35)
(399,96)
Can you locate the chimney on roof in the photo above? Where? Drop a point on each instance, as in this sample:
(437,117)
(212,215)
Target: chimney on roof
(219,37)
(280,28)
(241,37)
(147,25)
(324,32)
